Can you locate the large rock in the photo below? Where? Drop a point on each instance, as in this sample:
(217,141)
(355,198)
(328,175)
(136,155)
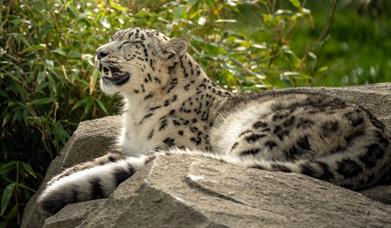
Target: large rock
(180,191)
(90,140)
(198,192)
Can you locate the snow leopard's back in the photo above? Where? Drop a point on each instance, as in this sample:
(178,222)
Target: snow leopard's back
(317,135)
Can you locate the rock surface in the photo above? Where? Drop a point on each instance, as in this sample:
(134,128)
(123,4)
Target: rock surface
(90,140)
(183,191)
(187,191)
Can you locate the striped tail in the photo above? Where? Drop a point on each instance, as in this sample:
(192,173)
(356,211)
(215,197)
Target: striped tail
(92,183)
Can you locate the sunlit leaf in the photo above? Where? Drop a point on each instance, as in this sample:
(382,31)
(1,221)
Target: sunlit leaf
(105,23)
(312,55)
(226,21)
(322,69)
(59,51)
(290,73)
(34,48)
(117,6)
(201,21)
(89,58)
(49,63)
(259,46)
(295,3)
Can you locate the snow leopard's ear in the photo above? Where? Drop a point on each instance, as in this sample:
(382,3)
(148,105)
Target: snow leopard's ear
(175,48)
(178,45)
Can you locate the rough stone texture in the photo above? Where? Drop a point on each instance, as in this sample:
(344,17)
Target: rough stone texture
(197,192)
(162,195)
(91,139)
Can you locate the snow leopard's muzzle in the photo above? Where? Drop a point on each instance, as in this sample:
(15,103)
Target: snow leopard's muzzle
(110,73)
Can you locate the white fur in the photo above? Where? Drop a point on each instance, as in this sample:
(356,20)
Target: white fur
(80,180)
(224,135)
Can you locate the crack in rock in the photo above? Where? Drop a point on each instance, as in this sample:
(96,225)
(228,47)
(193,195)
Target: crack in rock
(193,184)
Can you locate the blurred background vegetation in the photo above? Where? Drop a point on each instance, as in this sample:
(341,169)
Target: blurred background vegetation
(49,84)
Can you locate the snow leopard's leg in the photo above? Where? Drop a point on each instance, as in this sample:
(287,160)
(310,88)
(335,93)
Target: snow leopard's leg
(89,183)
(110,157)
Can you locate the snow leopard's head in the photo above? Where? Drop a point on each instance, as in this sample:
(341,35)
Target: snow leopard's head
(137,60)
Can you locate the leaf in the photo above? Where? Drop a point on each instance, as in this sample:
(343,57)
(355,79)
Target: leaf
(88,106)
(226,21)
(105,23)
(59,51)
(49,63)
(79,103)
(61,134)
(322,69)
(118,6)
(201,21)
(29,169)
(26,187)
(41,77)
(34,48)
(102,106)
(89,58)
(312,55)
(42,101)
(74,54)
(295,3)
(5,168)
(290,73)
(7,194)
(12,213)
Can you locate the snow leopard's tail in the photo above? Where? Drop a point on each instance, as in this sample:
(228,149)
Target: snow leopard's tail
(87,184)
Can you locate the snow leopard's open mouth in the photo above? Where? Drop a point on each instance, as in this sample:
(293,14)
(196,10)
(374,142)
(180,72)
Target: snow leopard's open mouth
(114,75)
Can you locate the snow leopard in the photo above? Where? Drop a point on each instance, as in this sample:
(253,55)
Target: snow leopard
(172,107)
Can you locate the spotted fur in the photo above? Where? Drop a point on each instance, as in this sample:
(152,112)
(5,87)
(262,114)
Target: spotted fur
(172,106)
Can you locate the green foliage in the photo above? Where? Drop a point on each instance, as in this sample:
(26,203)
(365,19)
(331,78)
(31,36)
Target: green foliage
(49,83)
(355,51)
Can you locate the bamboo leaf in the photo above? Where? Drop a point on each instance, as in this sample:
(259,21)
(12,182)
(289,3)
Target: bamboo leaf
(29,169)
(102,106)
(295,3)
(5,168)
(7,194)
(42,101)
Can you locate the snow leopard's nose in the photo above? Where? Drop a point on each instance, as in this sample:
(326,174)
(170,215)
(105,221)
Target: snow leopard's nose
(101,53)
